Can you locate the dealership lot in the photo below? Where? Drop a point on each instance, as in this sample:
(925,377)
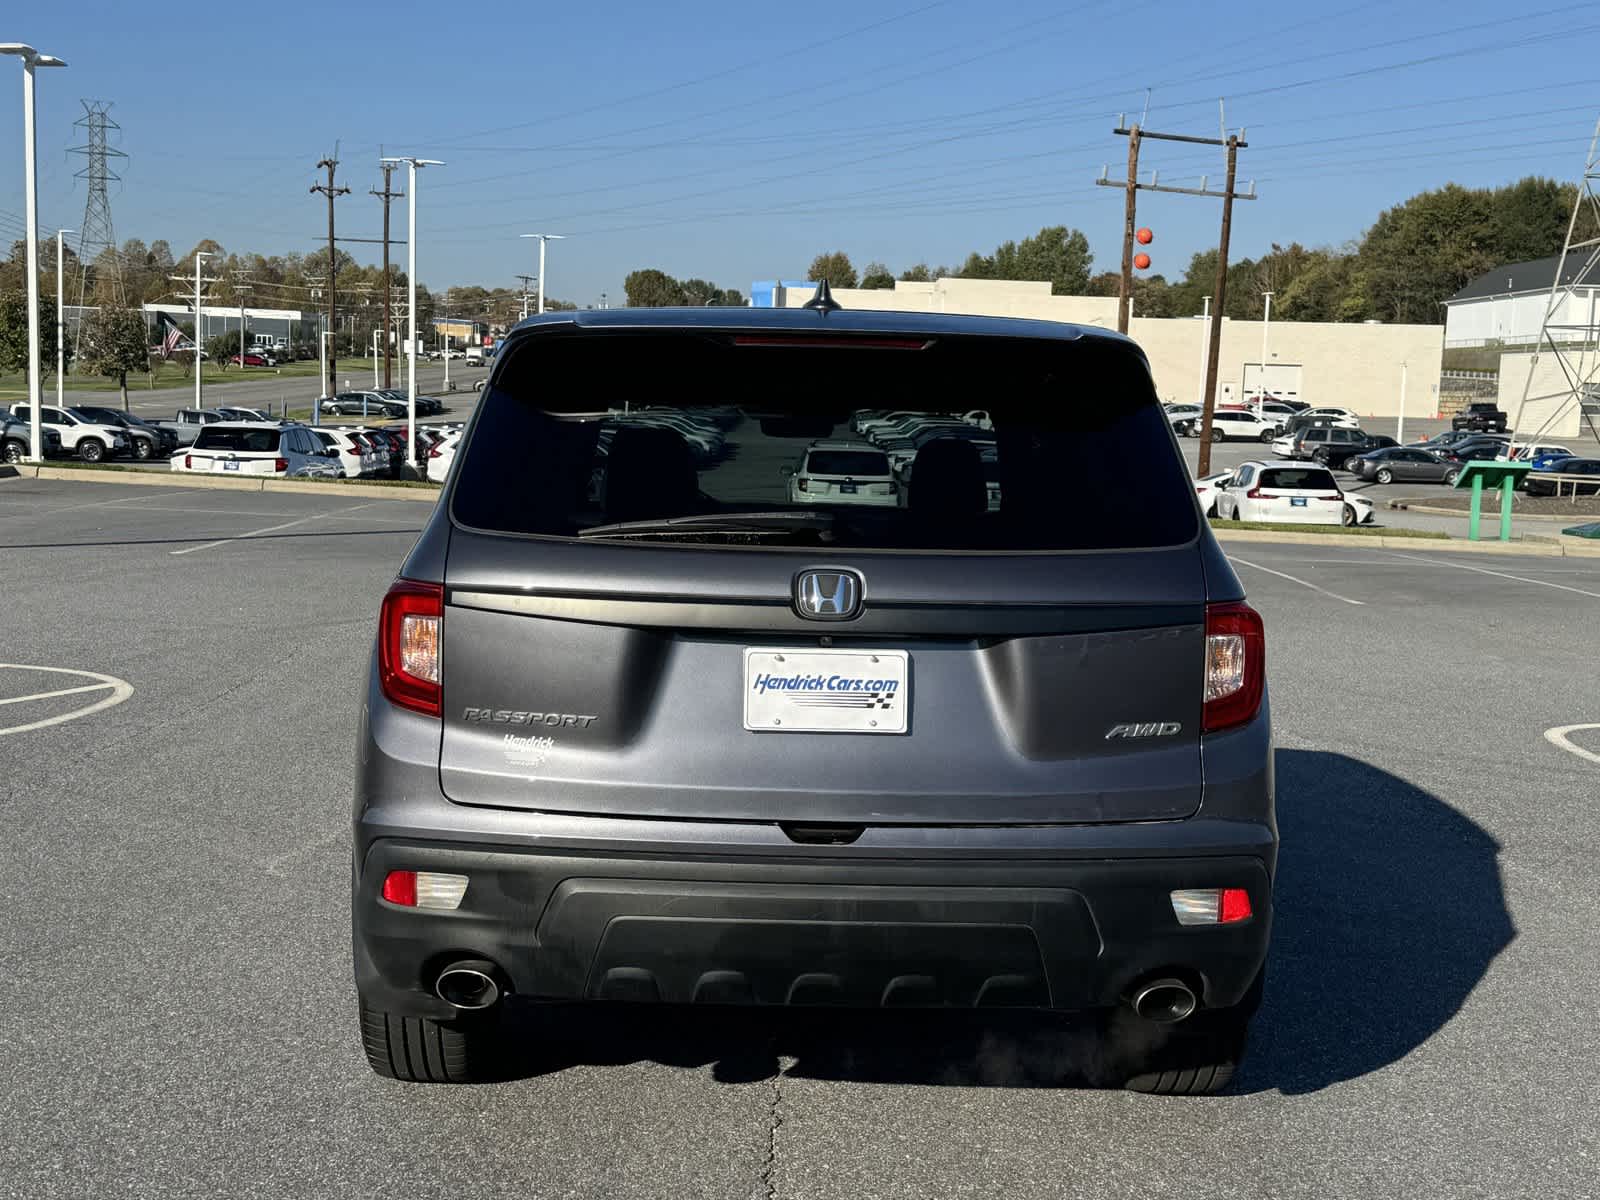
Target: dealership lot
(177,941)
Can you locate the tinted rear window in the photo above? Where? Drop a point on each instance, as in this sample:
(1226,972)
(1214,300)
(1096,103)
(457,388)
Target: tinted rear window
(847,462)
(1298,477)
(728,424)
(259,440)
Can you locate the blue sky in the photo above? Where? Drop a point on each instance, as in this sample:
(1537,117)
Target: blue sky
(733,141)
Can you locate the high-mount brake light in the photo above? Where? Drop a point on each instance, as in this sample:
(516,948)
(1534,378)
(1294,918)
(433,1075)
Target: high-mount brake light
(832,343)
(1236,652)
(410,630)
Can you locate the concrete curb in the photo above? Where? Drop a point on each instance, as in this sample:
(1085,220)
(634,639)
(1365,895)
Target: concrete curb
(1566,548)
(185,479)
(1433,510)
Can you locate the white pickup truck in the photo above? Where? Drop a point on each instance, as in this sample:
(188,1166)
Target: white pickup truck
(88,439)
(188,422)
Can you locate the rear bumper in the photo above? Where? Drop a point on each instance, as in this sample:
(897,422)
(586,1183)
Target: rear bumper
(575,925)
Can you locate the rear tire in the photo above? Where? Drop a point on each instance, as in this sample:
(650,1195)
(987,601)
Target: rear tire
(91,451)
(14,452)
(1216,434)
(1451,476)
(1193,1063)
(1268,436)
(422,1050)
(142,450)
(1384,475)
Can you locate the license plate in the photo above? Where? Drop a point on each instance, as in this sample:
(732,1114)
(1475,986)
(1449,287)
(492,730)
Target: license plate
(827,691)
(1297,501)
(847,489)
(230,465)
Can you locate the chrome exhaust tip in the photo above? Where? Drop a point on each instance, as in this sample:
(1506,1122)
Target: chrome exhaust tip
(1165,1001)
(470,985)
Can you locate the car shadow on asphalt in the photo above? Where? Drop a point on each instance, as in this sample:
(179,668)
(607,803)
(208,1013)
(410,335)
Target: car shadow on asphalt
(1389,910)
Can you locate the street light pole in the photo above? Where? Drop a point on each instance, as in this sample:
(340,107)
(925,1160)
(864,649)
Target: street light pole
(61,324)
(31,58)
(446,328)
(199,318)
(411,300)
(1261,383)
(543,238)
(1205,342)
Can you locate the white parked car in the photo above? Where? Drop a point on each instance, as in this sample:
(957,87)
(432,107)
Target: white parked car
(1518,451)
(1205,490)
(89,440)
(1230,424)
(1342,418)
(1281,492)
(841,472)
(257,448)
(354,458)
(442,455)
(1283,446)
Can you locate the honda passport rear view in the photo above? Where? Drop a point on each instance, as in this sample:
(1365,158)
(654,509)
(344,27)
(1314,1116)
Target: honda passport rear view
(646,724)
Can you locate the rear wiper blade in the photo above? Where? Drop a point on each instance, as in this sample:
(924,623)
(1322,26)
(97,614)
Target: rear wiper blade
(744,522)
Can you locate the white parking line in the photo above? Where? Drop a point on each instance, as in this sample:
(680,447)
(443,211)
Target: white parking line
(1292,579)
(120,690)
(1558,737)
(271,529)
(1560,587)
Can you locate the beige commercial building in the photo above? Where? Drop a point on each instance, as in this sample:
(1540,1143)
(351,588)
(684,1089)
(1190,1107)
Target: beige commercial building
(1362,367)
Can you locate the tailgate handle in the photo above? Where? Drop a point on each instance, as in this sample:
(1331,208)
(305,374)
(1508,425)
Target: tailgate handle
(809,833)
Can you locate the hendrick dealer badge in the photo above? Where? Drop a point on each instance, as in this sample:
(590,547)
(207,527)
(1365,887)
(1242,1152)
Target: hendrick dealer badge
(827,691)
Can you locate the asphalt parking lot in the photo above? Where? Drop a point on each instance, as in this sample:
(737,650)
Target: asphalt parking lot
(176,946)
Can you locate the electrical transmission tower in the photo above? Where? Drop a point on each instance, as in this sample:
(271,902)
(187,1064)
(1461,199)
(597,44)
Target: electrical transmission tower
(96,233)
(1570,333)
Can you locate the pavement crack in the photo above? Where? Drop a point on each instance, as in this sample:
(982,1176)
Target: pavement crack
(769,1167)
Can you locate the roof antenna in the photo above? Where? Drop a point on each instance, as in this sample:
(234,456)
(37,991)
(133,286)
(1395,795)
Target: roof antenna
(823,301)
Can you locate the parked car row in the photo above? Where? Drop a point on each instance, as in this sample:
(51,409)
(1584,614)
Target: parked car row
(376,402)
(91,440)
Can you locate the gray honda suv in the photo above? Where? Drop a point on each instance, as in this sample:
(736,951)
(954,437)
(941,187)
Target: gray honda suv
(640,728)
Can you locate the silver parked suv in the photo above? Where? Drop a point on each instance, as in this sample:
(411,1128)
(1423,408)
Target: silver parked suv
(639,727)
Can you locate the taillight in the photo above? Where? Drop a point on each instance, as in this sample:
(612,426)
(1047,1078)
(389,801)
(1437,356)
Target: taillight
(188,462)
(434,453)
(1335,496)
(1236,651)
(280,465)
(424,889)
(801,484)
(1253,494)
(1209,906)
(410,628)
(353,451)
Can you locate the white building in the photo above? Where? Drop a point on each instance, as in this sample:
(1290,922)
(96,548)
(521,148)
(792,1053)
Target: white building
(1506,306)
(1364,367)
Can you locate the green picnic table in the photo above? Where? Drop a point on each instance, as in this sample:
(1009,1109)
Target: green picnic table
(1481,475)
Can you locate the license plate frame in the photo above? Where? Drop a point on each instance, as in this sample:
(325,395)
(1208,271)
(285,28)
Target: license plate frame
(230,464)
(1297,502)
(806,690)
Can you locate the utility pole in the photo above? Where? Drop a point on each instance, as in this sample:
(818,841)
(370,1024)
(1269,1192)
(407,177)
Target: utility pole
(331,165)
(1125,284)
(240,286)
(1233,144)
(386,196)
(527,281)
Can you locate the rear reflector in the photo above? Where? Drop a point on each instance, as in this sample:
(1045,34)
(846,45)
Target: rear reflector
(424,889)
(1236,650)
(1211,906)
(410,629)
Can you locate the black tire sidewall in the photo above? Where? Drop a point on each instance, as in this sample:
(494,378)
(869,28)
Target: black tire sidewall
(91,451)
(1384,475)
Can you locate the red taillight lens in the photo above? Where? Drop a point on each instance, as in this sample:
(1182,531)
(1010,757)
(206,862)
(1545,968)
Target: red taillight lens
(434,453)
(280,465)
(1333,497)
(1253,494)
(410,632)
(400,887)
(188,462)
(353,451)
(1236,653)
(1235,905)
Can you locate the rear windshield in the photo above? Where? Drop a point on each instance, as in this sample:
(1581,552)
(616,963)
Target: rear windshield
(1299,477)
(262,440)
(703,434)
(847,462)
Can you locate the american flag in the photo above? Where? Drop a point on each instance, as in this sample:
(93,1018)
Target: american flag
(171,336)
